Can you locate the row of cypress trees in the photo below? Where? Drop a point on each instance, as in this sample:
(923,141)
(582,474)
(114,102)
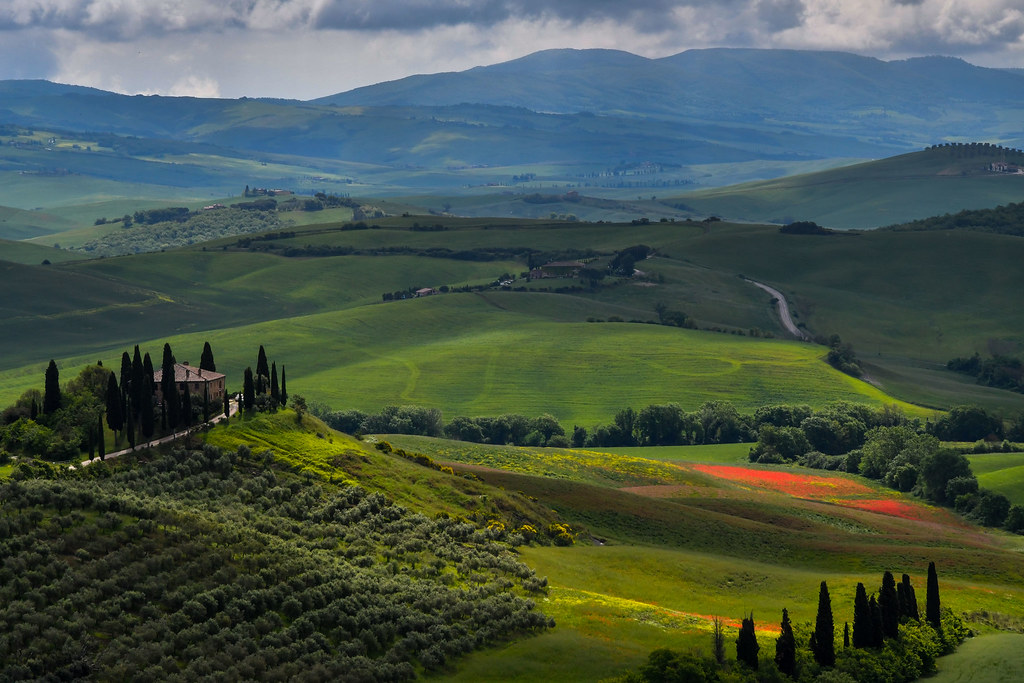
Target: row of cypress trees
(874,620)
(261,389)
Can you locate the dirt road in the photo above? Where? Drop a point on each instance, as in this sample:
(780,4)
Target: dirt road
(787,319)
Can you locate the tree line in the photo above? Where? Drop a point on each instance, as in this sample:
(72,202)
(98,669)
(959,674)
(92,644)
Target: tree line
(903,454)
(889,642)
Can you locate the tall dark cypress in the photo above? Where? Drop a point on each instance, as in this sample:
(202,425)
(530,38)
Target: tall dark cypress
(275,392)
(908,604)
(248,390)
(932,605)
(877,631)
(126,380)
(51,389)
(785,647)
(147,368)
(115,418)
(146,409)
(169,390)
(846,634)
(862,632)
(227,406)
(100,439)
(889,603)
(824,630)
(206,360)
(746,643)
(284,388)
(136,389)
(262,372)
(186,408)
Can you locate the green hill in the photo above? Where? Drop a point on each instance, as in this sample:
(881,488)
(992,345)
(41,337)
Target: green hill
(931,182)
(27,253)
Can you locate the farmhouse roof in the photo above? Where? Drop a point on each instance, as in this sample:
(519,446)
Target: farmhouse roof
(183,372)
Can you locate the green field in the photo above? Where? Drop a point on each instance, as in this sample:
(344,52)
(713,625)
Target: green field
(991,658)
(1001,472)
(868,195)
(665,546)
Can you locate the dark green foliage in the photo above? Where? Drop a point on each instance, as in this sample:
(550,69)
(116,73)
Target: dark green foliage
(138,372)
(842,357)
(938,469)
(877,628)
(187,417)
(967,423)
(785,647)
(115,418)
(779,444)
(889,603)
(284,388)
(1015,519)
(804,228)
(863,631)
(846,635)
(907,599)
(262,375)
(1001,372)
(147,368)
(51,391)
(823,641)
(668,666)
(146,412)
(248,390)
(206,361)
(746,643)
(932,610)
(1006,220)
(275,391)
(207,564)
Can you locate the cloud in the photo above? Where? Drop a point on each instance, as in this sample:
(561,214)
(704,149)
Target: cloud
(308,48)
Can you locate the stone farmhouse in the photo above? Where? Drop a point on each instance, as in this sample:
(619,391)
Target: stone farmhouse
(195,381)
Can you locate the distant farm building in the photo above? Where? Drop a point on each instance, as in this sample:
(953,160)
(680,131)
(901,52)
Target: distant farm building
(426,291)
(195,381)
(1003,167)
(557,269)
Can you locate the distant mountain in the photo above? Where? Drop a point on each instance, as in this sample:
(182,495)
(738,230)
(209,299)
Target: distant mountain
(590,118)
(910,102)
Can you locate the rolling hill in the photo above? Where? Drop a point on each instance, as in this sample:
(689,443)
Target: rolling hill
(937,180)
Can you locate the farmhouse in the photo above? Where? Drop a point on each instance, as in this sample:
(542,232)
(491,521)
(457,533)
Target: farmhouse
(195,381)
(426,291)
(557,269)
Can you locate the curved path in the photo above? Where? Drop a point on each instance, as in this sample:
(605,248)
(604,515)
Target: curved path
(787,319)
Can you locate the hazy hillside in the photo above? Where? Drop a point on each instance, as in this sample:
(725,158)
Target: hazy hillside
(902,102)
(931,182)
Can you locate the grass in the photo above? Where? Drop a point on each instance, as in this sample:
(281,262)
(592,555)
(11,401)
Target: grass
(866,195)
(27,253)
(1001,472)
(991,658)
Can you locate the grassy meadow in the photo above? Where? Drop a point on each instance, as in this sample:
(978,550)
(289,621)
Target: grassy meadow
(1001,472)
(669,541)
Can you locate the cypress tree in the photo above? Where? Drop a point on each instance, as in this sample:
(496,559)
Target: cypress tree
(785,647)
(186,408)
(206,360)
(888,602)
(227,406)
(129,425)
(147,368)
(262,372)
(824,642)
(846,634)
(33,411)
(932,605)
(275,393)
(115,418)
(908,604)
(146,409)
(51,389)
(138,371)
(248,390)
(746,643)
(100,437)
(862,634)
(877,631)
(284,389)
(169,390)
(126,381)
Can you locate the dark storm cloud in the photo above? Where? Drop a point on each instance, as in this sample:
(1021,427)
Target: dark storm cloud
(419,14)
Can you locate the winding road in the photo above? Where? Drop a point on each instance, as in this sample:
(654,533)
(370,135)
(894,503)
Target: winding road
(787,319)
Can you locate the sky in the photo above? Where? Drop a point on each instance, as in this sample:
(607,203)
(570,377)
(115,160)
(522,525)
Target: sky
(302,49)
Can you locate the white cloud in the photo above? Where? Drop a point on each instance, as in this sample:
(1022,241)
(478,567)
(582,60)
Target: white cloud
(275,48)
